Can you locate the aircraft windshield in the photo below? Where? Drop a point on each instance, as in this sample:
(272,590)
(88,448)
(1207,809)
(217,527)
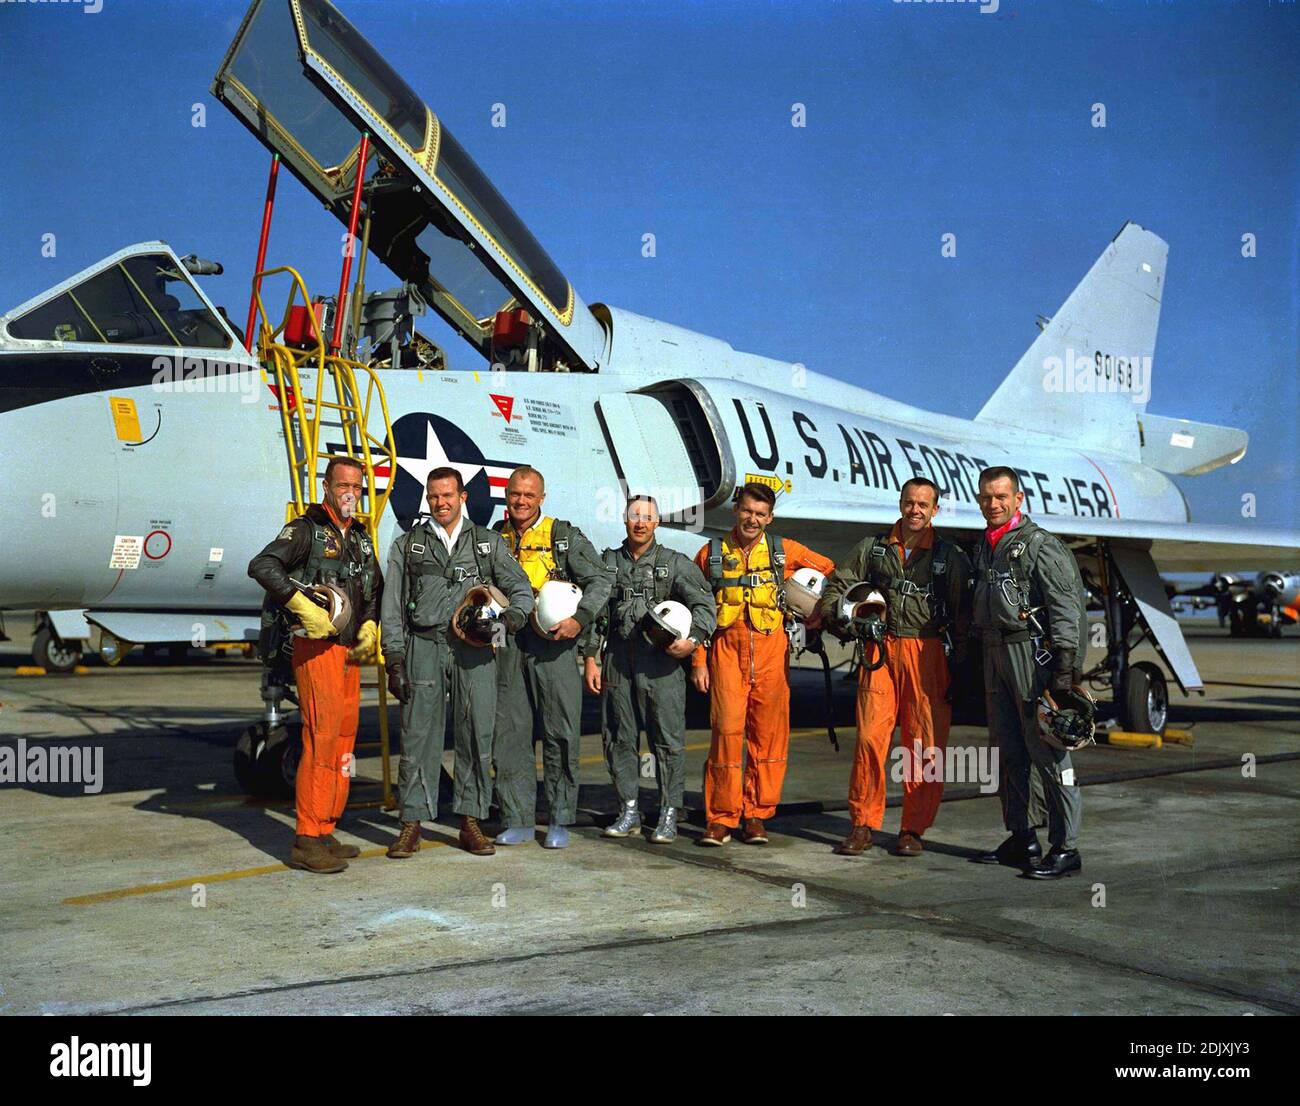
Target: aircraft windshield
(303,79)
(143,300)
(457,170)
(371,78)
(293,115)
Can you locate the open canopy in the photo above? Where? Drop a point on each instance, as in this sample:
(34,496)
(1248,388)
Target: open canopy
(307,84)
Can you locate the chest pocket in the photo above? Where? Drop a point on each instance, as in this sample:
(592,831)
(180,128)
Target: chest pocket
(435,580)
(637,588)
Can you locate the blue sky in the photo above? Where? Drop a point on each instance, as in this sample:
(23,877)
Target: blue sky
(820,244)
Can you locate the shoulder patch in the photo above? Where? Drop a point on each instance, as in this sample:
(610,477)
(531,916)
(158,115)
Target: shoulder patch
(286,533)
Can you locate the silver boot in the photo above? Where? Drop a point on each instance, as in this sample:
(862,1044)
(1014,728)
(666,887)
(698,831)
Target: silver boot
(629,821)
(666,831)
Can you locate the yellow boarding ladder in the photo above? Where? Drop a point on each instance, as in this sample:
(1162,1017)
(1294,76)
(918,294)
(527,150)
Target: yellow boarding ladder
(339,405)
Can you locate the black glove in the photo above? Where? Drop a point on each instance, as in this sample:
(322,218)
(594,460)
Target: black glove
(1063,670)
(398,685)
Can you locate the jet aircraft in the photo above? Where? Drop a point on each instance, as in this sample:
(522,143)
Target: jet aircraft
(136,392)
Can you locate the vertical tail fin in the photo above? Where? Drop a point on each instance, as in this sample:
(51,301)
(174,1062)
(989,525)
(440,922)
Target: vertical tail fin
(1088,373)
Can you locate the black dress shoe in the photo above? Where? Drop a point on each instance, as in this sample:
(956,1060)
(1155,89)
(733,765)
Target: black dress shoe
(1014,852)
(1057,864)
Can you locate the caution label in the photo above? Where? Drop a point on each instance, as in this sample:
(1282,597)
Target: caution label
(126,420)
(126,551)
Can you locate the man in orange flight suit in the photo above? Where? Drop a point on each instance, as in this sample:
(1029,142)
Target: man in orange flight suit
(326,545)
(746,669)
(925,582)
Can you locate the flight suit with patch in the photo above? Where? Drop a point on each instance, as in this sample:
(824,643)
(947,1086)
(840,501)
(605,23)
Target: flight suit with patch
(426,585)
(1029,568)
(538,681)
(316,549)
(642,687)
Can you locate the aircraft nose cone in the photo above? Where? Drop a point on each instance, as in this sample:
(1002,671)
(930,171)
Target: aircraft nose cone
(61,504)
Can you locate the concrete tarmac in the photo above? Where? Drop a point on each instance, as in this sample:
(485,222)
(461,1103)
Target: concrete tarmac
(166,891)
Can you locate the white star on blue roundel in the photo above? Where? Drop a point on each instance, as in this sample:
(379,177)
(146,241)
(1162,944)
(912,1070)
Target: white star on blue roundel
(424,442)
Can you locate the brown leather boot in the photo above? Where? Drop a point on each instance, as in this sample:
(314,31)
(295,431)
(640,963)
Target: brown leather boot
(909,844)
(337,848)
(754,832)
(716,835)
(472,838)
(311,855)
(407,843)
(857,842)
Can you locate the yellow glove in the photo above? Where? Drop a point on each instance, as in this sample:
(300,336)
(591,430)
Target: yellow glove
(314,620)
(367,647)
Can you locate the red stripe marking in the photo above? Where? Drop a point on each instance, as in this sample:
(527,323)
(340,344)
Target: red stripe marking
(1113,498)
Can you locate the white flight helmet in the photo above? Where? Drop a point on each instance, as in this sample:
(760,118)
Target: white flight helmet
(556,601)
(863,601)
(803,590)
(666,623)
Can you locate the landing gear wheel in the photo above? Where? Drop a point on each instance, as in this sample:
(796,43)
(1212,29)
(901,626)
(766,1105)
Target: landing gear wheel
(1144,707)
(54,654)
(266,761)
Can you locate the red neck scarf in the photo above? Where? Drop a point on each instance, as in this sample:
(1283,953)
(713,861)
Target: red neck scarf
(995,536)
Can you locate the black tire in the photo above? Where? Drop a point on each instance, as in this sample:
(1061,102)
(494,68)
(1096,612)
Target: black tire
(1144,706)
(54,654)
(266,761)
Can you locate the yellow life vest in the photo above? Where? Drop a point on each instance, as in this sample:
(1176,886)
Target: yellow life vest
(534,550)
(754,594)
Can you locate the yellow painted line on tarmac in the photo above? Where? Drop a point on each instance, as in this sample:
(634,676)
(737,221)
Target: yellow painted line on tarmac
(216,877)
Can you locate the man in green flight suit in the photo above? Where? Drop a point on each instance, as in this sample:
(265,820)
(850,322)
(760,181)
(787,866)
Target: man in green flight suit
(538,683)
(642,685)
(1030,608)
(441,632)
